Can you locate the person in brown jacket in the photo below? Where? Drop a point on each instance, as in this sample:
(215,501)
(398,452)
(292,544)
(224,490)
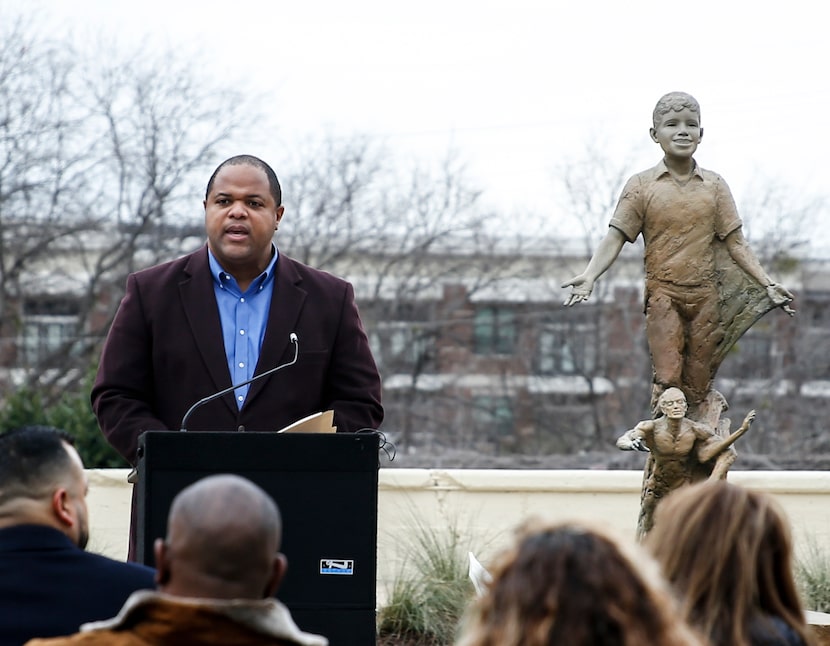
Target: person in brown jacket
(217,572)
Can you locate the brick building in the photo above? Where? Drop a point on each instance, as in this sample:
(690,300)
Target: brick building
(477,351)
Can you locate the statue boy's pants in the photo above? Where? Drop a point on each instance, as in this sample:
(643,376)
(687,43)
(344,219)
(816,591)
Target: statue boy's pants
(683,329)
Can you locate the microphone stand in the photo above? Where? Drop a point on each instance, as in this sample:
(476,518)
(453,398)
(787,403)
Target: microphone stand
(210,398)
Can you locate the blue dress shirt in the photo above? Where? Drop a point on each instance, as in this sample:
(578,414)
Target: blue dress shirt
(244,316)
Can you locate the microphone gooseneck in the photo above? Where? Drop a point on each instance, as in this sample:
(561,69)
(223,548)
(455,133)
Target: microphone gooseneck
(292,337)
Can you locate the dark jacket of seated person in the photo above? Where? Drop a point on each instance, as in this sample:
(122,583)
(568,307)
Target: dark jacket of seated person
(49,585)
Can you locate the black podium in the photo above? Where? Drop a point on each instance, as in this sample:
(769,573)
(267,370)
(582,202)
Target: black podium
(325,485)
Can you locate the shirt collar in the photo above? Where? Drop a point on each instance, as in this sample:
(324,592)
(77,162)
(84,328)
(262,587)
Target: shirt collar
(217,271)
(661,169)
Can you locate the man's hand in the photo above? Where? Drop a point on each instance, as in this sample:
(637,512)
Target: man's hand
(639,445)
(750,417)
(781,296)
(581,288)
(625,443)
(628,442)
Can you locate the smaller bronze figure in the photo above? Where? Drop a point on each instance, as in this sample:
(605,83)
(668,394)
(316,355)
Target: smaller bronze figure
(682,451)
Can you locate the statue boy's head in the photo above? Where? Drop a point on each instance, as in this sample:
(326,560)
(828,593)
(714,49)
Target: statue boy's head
(677,126)
(674,101)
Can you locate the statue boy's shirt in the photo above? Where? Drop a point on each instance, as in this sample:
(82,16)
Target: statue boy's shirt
(683,227)
(678,222)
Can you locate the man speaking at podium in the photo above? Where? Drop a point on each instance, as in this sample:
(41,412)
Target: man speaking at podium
(220,316)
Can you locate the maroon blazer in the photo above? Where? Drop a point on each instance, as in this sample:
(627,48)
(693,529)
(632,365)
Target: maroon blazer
(164,352)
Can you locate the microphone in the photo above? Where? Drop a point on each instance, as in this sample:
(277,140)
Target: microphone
(292,337)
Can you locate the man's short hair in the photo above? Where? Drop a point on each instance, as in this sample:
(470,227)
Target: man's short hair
(674,101)
(256,162)
(31,459)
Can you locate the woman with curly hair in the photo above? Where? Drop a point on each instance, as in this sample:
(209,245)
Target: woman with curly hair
(728,553)
(576,585)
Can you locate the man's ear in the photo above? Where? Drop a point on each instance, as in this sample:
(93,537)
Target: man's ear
(162,566)
(700,138)
(653,134)
(278,570)
(62,508)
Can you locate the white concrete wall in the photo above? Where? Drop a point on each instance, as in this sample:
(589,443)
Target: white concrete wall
(109,511)
(484,506)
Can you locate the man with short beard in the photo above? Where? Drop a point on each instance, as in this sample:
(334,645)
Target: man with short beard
(229,313)
(49,585)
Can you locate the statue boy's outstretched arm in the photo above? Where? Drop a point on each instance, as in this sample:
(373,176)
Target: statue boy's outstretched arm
(746,259)
(707,452)
(605,255)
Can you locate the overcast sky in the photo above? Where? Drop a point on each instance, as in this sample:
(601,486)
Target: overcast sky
(516,86)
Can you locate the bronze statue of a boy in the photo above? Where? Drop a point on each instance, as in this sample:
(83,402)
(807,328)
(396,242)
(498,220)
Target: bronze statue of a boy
(698,266)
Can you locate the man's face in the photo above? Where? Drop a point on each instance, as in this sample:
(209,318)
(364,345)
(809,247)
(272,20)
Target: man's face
(240,218)
(678,133)
(674,406)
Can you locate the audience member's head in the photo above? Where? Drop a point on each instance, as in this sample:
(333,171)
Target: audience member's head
(728,552)
(223,540)
(42,482)
(577,585)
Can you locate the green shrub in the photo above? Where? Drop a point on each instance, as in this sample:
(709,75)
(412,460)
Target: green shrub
(69,411)
(813,576)
(428,598)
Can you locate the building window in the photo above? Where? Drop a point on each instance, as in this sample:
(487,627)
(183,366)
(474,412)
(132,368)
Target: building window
(566,349)
(751,358)
(49,327)
(494,330)
(816,305)
(399,346)
(493,416)
(813,352)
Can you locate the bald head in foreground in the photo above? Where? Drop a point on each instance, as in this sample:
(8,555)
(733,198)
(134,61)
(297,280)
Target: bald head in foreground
(217,571)
(223,540)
